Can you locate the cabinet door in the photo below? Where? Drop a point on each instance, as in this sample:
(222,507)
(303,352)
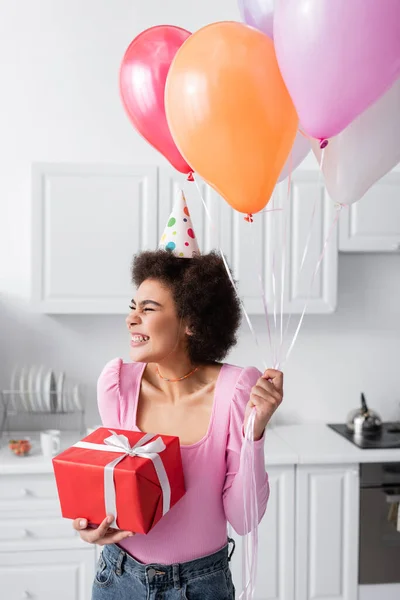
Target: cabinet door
(275,569)
(373,223)
(311,240)
(45,575)
(255,251)
(87,222)
(327,532)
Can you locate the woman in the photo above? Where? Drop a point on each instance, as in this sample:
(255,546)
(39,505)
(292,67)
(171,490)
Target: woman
(182,323)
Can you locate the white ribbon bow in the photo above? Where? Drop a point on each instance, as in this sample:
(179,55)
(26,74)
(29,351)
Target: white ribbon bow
(120,443)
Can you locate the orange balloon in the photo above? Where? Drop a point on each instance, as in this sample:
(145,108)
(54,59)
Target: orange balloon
(230,113)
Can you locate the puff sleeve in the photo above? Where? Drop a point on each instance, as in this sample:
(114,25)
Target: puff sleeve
(108,394)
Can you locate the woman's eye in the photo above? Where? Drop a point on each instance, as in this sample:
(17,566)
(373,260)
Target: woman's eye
(144,310)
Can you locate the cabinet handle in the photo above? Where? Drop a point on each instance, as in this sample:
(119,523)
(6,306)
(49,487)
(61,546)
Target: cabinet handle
(26,533)
(396,247)
(25,492)
(26,595)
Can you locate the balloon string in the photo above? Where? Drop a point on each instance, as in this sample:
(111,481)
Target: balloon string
(270,210)
(283,271)
(231,278)
(313,213)
(306,135)
(274,279)
(331,229)
(250,539)
(265,304)
(306,246)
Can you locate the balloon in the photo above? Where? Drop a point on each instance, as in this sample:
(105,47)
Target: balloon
(230,113)
(365,151)
(258,14)
(142,78)
(337,57)
(301,148)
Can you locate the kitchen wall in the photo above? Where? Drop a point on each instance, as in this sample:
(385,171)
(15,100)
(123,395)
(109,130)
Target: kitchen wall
(60,102)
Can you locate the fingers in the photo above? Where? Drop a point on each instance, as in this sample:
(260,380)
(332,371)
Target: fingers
(115,537)
(101,535)
(79,524)
(262,386)
(102,529)
(276,378)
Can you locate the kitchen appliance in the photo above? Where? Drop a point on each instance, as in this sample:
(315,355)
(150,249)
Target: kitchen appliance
(365,429)
(387,437)
(379,538)
(363,420)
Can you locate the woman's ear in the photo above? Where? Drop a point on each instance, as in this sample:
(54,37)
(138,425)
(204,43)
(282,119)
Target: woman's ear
(188,330)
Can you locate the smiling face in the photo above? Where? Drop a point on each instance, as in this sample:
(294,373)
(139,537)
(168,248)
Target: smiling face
(156,330)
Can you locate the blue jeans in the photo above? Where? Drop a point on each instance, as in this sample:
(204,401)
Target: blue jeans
(119,576)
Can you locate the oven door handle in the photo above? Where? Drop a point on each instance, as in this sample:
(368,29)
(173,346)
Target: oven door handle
(392,497)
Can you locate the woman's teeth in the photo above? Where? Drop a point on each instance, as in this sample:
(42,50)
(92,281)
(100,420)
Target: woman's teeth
(139,338)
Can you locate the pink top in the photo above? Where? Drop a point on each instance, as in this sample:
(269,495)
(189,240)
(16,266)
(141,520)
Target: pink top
(197,525)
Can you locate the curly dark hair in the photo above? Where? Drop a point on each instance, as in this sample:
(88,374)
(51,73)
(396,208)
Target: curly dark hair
(204,297)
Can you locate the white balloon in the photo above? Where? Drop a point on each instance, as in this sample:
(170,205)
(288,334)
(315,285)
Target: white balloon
(365,151)
(300,149)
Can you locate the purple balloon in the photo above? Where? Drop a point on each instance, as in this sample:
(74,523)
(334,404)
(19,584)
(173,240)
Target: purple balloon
(259,14)
(337,57)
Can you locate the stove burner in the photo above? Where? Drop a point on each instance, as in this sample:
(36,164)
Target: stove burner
(387,437)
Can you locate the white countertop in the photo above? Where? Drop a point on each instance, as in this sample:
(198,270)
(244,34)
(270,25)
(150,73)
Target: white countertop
(284,445)
(318,444)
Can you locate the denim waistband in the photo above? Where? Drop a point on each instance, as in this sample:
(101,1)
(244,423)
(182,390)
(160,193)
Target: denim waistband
(176,574)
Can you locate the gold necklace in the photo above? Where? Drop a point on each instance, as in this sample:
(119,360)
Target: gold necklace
(179,378)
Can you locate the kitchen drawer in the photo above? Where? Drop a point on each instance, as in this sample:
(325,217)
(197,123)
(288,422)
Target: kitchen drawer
(25,488)
(20,529)
(49,574)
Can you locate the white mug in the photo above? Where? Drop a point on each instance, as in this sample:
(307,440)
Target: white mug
(50,442)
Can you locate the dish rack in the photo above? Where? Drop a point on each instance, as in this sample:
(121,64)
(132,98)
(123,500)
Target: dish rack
(26,411)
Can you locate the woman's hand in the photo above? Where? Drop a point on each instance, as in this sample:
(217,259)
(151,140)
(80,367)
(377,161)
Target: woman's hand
(266,396)
(101,535)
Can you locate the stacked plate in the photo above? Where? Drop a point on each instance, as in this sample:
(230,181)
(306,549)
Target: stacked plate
(37,389)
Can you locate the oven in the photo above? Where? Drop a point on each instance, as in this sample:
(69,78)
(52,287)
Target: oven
(379,535)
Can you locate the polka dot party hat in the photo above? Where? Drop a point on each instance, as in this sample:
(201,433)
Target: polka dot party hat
(179,237)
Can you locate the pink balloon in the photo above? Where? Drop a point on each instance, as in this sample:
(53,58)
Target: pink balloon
(337,57)
(259,14)
(142,78)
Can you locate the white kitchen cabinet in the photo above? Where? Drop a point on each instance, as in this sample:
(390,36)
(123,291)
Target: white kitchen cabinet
(275,572)
(255,250)
(47,574)
(311,241)
(373,223)
(41,556)
(87,222)
(326,549)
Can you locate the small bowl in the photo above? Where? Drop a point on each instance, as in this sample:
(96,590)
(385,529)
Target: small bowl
(20,447)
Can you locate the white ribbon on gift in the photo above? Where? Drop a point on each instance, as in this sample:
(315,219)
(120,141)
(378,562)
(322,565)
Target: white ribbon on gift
(120,443)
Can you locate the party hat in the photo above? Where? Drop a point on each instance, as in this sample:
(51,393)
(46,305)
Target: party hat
(179,237)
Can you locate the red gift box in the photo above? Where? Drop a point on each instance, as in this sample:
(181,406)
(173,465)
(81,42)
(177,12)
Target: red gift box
(136,476)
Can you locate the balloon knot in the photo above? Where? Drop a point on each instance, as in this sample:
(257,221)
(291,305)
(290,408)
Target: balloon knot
(249,218)
(190,176)
(323,143)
